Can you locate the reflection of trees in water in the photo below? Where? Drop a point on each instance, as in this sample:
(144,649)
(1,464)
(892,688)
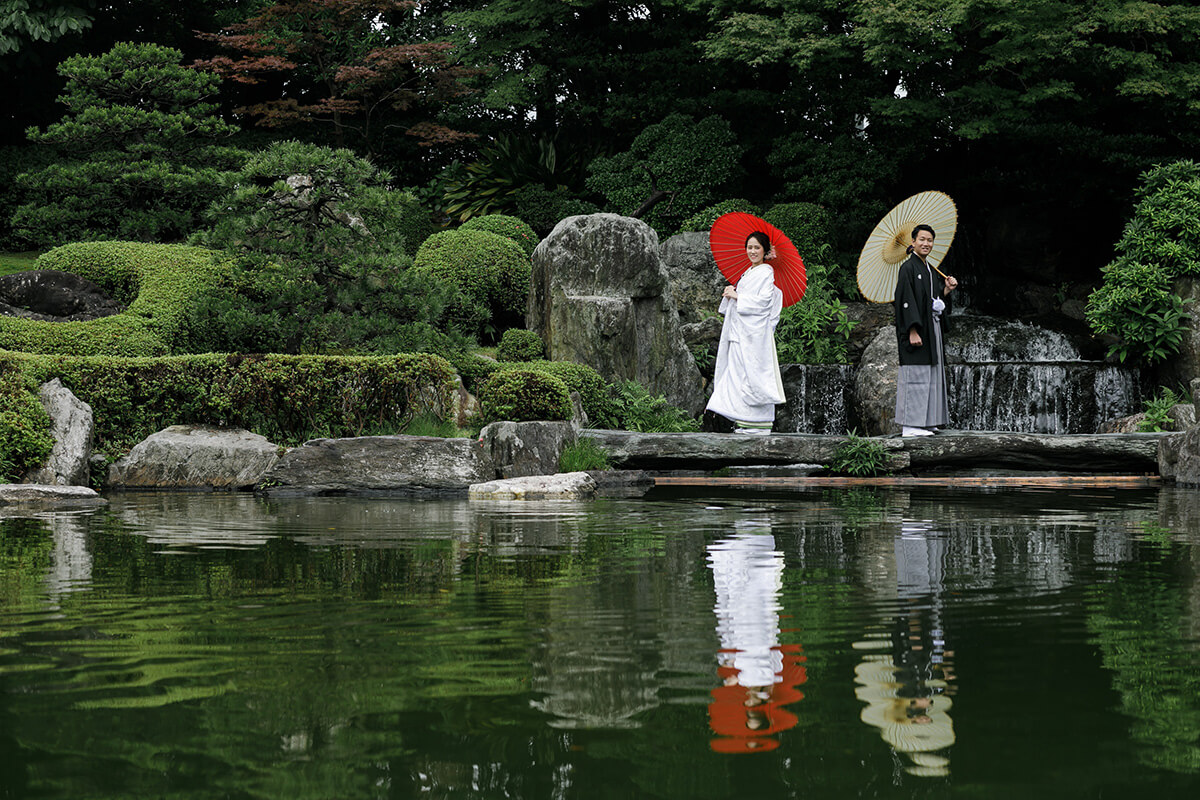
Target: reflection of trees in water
(1144,622)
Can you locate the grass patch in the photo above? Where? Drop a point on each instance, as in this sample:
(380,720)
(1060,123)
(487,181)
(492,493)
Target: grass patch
(429,425)
(583,455)
(17,262)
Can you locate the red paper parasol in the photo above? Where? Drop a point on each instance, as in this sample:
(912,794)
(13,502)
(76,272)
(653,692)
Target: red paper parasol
(727,240)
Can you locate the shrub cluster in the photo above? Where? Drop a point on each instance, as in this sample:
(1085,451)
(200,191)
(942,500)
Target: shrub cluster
(287,399)
(158,282)
(518,344)
(490,272)
(506,226)
(24,426)
(814,330)
(544,208)
(703,220)
(1137,302)
(522,395)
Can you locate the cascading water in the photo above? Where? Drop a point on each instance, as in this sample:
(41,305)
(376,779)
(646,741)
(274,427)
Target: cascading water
(1012,376)
(1002,375)
(819,398)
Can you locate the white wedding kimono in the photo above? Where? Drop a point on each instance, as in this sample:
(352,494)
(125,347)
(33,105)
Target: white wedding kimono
(746,381)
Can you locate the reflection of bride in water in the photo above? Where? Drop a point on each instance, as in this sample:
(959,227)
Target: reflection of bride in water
(907,688)
(758,674)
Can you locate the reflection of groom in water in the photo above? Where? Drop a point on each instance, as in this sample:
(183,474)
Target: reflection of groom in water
(758,674)
(906,683)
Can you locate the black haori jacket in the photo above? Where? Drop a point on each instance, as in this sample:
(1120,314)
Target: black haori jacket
(914,306)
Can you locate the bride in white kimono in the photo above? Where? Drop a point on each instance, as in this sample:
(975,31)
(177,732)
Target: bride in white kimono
(746,381)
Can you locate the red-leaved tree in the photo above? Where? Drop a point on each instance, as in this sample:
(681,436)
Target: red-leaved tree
(368,67)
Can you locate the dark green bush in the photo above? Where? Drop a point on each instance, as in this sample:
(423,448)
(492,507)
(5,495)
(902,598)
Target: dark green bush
(522,395)
(518,344)
(317,246)
(142,151)
(815,330)
(1137,302)
(159,282)
(807,225)
(287,399)
(506,226)
(691,161)
(490,272)
(25,439)
(412,221)
(15,160)
(544,208)
(637,410)
(594,393)
(703,220)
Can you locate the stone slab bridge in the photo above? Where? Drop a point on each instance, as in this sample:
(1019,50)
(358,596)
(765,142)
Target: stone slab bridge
(957,452)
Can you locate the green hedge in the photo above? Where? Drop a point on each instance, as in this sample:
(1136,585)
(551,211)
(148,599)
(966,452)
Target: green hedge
(703,220)
(491,271)
(287,399)
(156,281)
(594,391)
(518,344)
(24,426)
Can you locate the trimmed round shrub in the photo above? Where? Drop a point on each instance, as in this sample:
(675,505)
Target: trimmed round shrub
(703,220)
(807,225)
(158,282)
(520,345)
(490,272)
(506,226)
(594,391)
(523,395)
(25,439)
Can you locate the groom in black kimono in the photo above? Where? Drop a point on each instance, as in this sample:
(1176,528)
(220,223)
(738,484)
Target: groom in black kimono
(922,295)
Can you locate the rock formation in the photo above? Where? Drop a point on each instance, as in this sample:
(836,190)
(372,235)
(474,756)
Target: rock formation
(601,297)
(72,426)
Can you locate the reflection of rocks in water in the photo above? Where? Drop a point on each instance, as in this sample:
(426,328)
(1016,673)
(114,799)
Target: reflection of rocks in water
(71,559)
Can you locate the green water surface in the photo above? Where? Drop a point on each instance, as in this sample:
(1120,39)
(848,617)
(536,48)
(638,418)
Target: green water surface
(838,644)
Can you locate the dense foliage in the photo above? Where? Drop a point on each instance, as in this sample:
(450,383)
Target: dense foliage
(287,399)
(24,426)
(1137,302)
(318,247)
(507,226)
(672,170)
(703,219)
(814,330)
(488,273)
(523,395)
(140,151)
(518,344)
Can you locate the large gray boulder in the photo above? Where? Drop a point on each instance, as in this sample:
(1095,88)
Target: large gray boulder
(72,426)
(875,384)
(195,457)
(417,465)
(601,296)
(1179,457)
(696,281)
(420,465)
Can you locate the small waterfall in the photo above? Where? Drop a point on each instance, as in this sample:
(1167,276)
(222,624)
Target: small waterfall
(1002,376)
(818,398)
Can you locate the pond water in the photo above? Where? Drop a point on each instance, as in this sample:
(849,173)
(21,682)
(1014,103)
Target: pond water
(828,644)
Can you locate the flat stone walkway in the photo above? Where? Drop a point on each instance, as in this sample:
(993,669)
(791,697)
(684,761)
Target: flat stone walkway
(949,481)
